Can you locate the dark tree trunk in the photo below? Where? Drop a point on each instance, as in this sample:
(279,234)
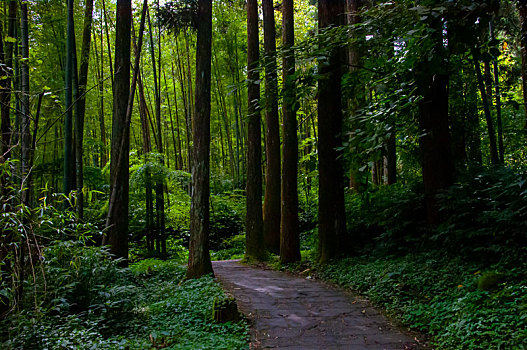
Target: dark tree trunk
(199,263)
(159,187)
(117,220)
(438,170)
(437,162)
(110,62)
(6,239)
(289,230)
(254,222)
(180,148)
(472,127)
(5,97)
(147,148)
(391,159)
(186,107)
(5,84)
(331,213)
(357,181)
(25,141)
(522,7)
(271,206)
(501,151)
(494,158)
(102,127)
(69,167)
(25,137)
(81,103)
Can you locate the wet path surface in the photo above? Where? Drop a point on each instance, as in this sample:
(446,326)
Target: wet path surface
(290,312)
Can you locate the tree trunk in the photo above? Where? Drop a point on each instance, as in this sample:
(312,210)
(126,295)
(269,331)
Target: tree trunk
(5,94)
(391,159)
(105,16)
(117,220)
(171,120)
(180,149)
(186,107)
(81,103)
(199,263)
(147,148)
(494,158)
(69,171)
(437,162)
(25,140)
(100,78)
(522,8)
(271,206)
(331,212)
(357,178)
(5,84)
(159,188)
(254,222)
(6,238)
(501,151)
(289,230)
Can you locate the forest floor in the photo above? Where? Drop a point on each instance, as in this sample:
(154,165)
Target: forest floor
(293,312)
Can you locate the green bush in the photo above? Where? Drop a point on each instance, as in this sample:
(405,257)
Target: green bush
(485,215)
(226,215)
(231,248)
(145,306)
(390,218)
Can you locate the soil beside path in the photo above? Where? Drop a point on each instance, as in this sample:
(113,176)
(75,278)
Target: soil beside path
(290,312)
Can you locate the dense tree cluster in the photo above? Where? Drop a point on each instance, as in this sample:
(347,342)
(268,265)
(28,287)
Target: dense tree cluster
(294,105)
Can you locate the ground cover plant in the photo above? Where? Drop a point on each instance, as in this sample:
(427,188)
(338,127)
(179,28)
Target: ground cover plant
(458,304)
(82,299)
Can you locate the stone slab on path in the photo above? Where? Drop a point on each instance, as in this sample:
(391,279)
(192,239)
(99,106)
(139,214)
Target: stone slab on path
(291,312)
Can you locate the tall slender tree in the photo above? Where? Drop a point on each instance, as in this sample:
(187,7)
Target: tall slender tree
(6,237)
(331,214)
(432,80)
(68,120)
(25,139)
(271,206)
(199,263)
(80,105)
(289,230)
(494,157)
(159,187)
(522,8)
(253,223)
(117,220)
(5,83)
(497,95)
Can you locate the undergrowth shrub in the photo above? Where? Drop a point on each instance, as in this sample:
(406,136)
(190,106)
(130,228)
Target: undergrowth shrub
(231,248)
(226,221)
(141,307)
(389,218)
(485,216)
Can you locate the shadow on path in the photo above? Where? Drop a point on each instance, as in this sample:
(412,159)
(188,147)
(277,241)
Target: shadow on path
(289,312)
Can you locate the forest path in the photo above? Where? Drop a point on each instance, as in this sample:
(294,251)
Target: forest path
(291,312)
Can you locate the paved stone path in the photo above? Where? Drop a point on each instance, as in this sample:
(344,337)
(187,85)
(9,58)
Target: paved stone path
(290,312)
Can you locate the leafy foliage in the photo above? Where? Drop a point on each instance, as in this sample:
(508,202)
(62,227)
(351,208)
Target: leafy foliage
(440,295)
(485,215)
(90,302)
